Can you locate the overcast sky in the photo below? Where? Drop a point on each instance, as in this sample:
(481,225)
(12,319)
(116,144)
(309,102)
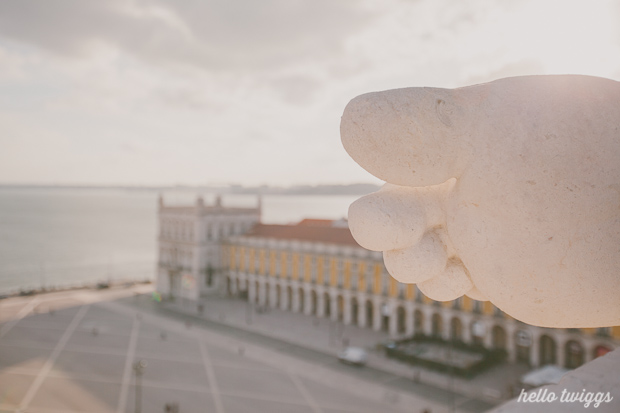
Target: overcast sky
(157,92)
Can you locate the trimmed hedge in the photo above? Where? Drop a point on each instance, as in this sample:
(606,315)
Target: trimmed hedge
(489,357)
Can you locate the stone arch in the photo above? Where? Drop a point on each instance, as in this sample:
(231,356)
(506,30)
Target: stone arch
(574,354)
(278,298)
(354,310)
(436,325)
(302,299)
(418,322)
(523,343)
(548,351)
(385,317)
(257,291)
(314,298)
(401,320)
(328,304)
(456,329)
(498,338)
(289,297)
(370,312)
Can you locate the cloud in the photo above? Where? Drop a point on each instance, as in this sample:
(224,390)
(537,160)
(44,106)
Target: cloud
(215,35)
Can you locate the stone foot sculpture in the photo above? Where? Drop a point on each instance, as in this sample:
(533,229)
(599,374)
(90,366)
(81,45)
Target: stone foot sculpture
(507,191)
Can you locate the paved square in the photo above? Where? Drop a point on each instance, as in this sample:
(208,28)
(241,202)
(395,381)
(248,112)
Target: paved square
(74,352)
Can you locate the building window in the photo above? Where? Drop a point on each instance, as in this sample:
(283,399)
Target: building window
(340,272)
(313,269)
(458,303)
(418,295)
(603,331)
(289,265)
(369,276)
(497,312)
(477,307)
(327,274)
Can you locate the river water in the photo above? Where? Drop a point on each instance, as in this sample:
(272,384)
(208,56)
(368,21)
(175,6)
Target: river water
(56,237)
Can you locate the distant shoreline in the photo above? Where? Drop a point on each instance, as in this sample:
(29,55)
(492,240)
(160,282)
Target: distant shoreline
(350,189)
(98,285)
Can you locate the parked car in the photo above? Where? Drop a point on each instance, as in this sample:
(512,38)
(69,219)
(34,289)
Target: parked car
(353,355)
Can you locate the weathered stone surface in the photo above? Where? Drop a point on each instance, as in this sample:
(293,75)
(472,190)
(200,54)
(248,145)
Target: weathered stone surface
(519,179)
(592,387)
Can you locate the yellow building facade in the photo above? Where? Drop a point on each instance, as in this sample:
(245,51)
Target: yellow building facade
(321,271)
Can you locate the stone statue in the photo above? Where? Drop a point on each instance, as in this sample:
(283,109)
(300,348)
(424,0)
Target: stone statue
(507,191)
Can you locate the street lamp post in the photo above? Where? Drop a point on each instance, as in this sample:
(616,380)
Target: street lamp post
(138,369)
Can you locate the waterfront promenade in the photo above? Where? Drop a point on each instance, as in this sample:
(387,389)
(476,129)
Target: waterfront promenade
(74,351)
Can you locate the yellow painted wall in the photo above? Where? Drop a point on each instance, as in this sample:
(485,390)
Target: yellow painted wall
(347,275)
(615,332)
(410,292)
(487,308)
(232,257)
(333,273)
(295,266)
(252,259)
(320,277)
(361,274)
(307,268)
(272,263)
(261,262)
(468,305)
(393,287)
(283,268)
(241,259)
(377,279)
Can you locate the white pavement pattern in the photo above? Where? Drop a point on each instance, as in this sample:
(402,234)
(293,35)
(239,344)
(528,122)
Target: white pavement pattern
(122,400)
(22,313)
(206,359)
(77,358)
(52,359)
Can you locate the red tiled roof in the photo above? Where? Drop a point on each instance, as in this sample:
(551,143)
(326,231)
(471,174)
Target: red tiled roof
(328,235)
(312,222)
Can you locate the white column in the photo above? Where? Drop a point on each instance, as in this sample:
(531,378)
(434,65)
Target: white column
(320,303)
(347,308)
(273,297)
(427,313)
(307,300)
(377,314)
(261,292)
(446,316)
(295,306)
(560,354)
(361,310)
(233,284)
(511,348)
(466,321)
(333,298)
(393,323)
(409,321)
(284,296)
(535,347)
(252,290)
(487,340)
